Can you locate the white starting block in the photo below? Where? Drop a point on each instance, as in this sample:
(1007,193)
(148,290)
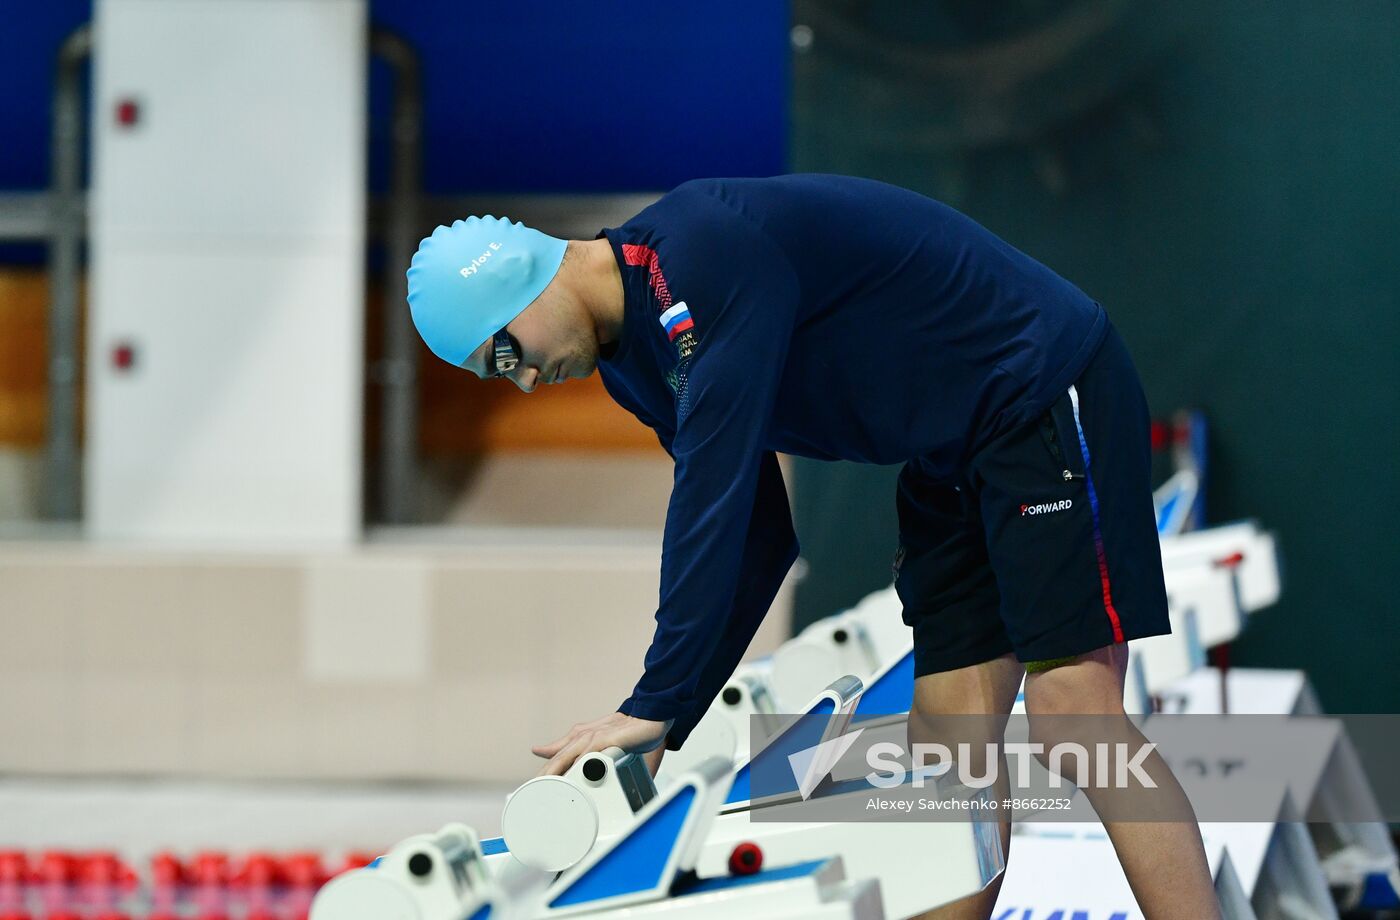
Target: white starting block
(1253,691)
(881,614)
(648,870)
(727,726)
(440,876)
(804,664)
(1214,578)
(549,825)
(860,641)
(1358,857)
(1160,661)
(745,704)
(920,864)
(651,870)
(899,856)
(885,699)
(1251,553)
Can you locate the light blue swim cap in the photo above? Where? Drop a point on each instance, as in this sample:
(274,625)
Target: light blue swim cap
(469,280)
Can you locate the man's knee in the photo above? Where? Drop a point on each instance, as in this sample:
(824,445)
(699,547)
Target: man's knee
(1076,706)
(988,688)
(1091,683)
(937,735)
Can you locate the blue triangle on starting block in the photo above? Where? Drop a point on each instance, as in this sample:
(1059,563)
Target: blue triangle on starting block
(739,789)
(638,860)
(1378,893)
(771,766)
(891,694)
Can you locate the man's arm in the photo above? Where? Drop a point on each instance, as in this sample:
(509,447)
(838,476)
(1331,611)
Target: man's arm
(770,548)
(744,301)
(743,297)
(769,551)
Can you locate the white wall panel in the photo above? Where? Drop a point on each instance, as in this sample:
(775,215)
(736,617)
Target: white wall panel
(250,117)
(227,255)
(240,417)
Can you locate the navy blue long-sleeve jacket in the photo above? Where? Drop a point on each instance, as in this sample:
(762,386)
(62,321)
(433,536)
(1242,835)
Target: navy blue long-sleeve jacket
(822,316)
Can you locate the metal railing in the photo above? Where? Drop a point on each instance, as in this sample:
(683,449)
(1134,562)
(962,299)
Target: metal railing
(396,372)
(62,485)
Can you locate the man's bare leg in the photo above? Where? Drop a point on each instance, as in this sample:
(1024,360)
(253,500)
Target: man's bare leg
(1164,861)
(982,689)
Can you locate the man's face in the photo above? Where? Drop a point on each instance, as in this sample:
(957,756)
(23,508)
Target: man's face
(557,342)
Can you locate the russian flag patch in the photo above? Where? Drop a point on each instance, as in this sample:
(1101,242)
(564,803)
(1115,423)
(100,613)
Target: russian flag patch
(676,321)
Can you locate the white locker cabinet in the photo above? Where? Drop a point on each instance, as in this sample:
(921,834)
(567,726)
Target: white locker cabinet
(225,339)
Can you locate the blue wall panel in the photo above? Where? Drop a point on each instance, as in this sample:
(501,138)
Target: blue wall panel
(540,96)
(30,35)
(571,96)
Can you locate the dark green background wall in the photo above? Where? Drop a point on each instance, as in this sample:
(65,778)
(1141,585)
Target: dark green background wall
(1236,208)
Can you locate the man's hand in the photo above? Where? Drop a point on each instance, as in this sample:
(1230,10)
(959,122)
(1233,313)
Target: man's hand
(635,736)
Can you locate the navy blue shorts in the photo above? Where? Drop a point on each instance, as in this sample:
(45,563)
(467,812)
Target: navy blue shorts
(1047,546)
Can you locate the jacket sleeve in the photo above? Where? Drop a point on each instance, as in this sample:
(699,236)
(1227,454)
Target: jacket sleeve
(770,549)
(727,524)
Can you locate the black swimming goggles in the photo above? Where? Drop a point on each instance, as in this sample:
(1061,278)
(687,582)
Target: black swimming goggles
(504,355)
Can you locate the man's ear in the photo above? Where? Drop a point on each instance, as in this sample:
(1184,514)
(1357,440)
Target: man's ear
(473,364)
